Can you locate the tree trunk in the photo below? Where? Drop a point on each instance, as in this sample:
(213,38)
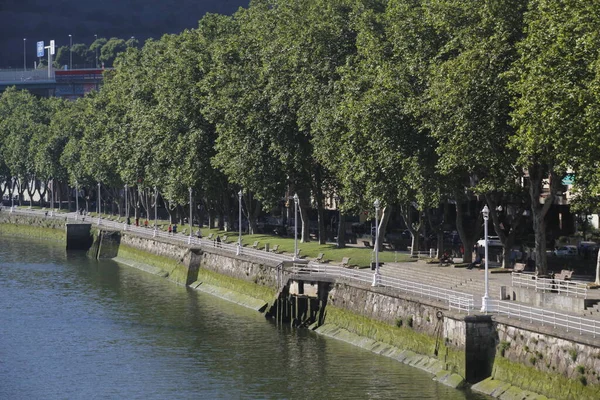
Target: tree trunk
(507,239)
(413,228)
(536,177)
(597,281)
(341,231)
(468,232)
(383,223)
(305,236)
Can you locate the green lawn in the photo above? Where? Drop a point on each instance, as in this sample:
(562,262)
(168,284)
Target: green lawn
(359,256)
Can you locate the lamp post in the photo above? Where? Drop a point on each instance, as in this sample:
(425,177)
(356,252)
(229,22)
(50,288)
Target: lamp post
(126,209)
(295,226)
(486,216)
(12,195)
(155,211)
(99,202)
(376,276)
(52,205)
(70,52)
(239,248)
(96,36)
(25,54)
(191,216)
(76,201)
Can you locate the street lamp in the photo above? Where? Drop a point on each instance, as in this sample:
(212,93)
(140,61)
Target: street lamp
(24,54)
(295,226)
(155,210)
(76,201)
(99,206)
(12,195)
(52,206)
(96,36)
(239,248)
(376,276)
(70,52)
(191,216)
(486,216)
(126,209)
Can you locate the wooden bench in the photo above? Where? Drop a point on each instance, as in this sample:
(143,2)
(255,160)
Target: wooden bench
(367,243)
(564,275)
(210,237)
(255,245)
(320,257)
(275,248)
(224,239)
(345,262)
(519,267)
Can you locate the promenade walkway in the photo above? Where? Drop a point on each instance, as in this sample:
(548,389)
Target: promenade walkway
(458,288)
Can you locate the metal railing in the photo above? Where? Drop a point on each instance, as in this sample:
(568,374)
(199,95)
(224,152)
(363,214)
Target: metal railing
(455,300)
(545,317)
(560,286)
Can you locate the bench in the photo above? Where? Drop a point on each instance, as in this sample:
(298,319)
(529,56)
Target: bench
(275,248)
(224,240)
(345,262)
(320,257)
(210,237)
(519,267)
(255,245)
(367,243)
(564,275)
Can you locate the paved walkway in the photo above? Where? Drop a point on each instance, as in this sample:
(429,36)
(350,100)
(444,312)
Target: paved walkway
(464,280)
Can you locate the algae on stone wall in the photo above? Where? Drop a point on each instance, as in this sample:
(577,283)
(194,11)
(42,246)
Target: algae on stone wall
(402,337)
(550,384)
(251,289)
(33,228)
(176,271)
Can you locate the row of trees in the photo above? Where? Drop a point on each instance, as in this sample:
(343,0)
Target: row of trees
(424,105)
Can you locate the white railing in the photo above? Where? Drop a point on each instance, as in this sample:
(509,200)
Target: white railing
(545,317)
(455,300)
(560,286)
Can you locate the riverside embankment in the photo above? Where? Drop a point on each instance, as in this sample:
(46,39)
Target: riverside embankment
(455,347)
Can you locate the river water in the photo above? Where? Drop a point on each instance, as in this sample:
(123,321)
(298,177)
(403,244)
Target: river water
(76,328)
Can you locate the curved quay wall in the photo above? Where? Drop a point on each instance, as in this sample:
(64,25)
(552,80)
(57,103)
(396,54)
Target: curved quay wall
(492,352)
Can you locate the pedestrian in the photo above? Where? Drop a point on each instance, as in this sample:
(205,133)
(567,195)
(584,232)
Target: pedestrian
(170,229)
(137,221)
(174,228)
(218,241)
(145,223)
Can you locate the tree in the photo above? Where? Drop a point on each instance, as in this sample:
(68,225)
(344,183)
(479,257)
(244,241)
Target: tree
(552,102)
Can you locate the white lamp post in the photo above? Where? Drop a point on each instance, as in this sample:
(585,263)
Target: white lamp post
(24,54)
(239,248)
(76,201)
(376,276)
(70,52)
(155,211)
(126,209)
(99,202)
(486,216)
(190,237)
(12,195)
(52,206)
(295,226)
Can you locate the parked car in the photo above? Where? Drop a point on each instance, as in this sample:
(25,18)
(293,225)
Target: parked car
(566,251)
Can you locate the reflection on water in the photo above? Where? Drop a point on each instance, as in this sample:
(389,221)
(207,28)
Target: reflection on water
(72,328)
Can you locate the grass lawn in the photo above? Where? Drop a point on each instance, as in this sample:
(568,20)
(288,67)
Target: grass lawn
(359,256)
